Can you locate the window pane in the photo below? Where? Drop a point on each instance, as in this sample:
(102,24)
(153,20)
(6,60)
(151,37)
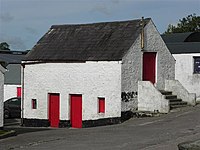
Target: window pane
(34,104)
(196,64)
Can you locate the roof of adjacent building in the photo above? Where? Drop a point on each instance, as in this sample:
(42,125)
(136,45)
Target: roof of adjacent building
(12,56)
(12,61)
(82,42)
(13,74)
(189,47)
(180,43)
(175,37)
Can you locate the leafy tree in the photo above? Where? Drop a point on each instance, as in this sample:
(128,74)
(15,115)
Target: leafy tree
(4,46)
(191,23)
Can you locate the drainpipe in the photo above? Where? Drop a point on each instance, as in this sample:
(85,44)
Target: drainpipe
(22,99)
(142,33)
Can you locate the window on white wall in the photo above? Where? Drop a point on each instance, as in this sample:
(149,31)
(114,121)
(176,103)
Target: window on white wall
(197,65)
(34,104)
(101,105)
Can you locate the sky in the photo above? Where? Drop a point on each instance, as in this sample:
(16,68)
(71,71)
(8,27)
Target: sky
(24,22)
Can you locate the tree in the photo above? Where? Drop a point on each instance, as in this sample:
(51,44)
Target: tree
(191,23)
(4,46)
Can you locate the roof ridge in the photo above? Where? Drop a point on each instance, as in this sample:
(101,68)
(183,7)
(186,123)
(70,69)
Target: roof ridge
(96,23)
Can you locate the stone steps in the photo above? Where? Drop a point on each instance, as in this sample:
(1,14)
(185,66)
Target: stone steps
(174,102)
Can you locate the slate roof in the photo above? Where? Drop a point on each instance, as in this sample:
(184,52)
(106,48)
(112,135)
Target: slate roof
(182,37)
(175,37)
(184,47)
(97,41)
(12,57)
(182,43)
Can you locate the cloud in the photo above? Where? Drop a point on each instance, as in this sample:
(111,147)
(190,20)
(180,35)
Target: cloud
(6,17)
(31,30)
(102,8)
(115,1)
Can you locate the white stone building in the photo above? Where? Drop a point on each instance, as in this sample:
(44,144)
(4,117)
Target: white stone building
(185,48)
(2,71)
(85,75)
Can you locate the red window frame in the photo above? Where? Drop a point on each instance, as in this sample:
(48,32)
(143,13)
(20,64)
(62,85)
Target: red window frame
(101,105)
(34,104)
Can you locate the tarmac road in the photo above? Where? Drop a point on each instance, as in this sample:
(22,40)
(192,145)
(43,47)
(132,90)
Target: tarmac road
(152,133)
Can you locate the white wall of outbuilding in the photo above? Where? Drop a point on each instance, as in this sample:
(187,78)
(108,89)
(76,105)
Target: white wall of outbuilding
(92,79)
(10,91)
(184,72)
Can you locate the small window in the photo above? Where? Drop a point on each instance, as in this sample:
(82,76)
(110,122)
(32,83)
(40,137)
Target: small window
(101,105)
(34,104)
(197,65)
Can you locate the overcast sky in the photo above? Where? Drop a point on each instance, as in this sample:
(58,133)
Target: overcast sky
(24,22)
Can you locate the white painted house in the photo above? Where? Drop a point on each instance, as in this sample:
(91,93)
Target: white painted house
(87,74)
(2,71)
(185,48)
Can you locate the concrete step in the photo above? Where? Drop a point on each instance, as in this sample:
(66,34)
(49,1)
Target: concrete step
(165,92)
(171,97)
(177,106)
(178,103)
(175,100)
(174,105)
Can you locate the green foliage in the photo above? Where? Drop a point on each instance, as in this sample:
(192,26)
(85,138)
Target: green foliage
(191,23)
(4,46)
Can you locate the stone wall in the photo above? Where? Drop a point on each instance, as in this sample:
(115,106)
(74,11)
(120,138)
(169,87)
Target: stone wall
(132,66)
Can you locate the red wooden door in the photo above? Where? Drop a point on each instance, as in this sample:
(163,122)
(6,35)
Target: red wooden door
(19,91)
(76,111)
(54,110)
(149,67)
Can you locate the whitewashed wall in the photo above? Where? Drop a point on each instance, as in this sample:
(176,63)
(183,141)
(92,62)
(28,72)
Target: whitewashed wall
(132,67)
(91,79)
(184,73)
(2,70)
(10,91)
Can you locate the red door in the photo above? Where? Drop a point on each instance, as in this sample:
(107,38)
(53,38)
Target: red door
(54,110)
(149,67)
(76,111)
(19,91)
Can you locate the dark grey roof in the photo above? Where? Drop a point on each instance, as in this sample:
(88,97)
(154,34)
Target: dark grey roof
(13,61)
(13,74)
(175,37)
(180,43)
(97,41)
(184,47)
(12,57)
(194,37)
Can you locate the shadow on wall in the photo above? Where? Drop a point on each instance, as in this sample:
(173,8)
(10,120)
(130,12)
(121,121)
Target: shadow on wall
(128,96)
